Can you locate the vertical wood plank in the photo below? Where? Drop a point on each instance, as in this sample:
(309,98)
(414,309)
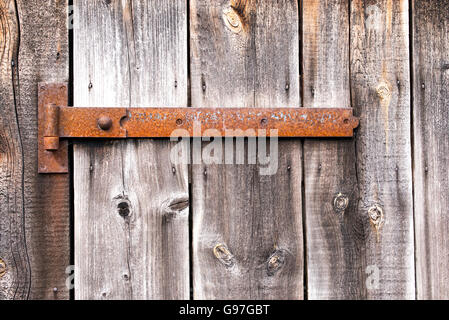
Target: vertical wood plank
(131,204)
(34,209)
(328,165)
(380,83)
(247,227)
(431,146)
(358,193)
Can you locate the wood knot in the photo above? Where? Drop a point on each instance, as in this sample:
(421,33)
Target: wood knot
(123,209)
(175,206)
(123,206)
(376,217)
(2,268)
(222,253)
(275,262)
(232,20)
(340,203)
(383,91)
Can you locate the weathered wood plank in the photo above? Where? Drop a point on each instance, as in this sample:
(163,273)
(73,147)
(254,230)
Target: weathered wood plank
(327,164)
(247,227)
(431,146)
(380,87)
(131,204)
(34,209)
(349,183)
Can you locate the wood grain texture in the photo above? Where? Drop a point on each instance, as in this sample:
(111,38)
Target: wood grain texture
(34,209)
(358,193)
(247,227)
(131,204)
(431,146)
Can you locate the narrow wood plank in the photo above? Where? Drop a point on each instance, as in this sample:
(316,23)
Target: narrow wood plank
(131,203)
(327,164)
(358,193)
(247,227)
(34,209)
(431,146)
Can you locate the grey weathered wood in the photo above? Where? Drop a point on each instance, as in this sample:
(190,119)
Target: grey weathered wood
(131,204)
(347,180)
(34,209)
(431,146)
(247,227)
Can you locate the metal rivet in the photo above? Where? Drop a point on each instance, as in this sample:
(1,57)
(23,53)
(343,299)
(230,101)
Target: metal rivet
(179,122)
(263,121)
(104,123)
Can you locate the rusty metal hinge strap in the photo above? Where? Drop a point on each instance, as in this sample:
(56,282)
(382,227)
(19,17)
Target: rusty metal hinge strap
(57,121)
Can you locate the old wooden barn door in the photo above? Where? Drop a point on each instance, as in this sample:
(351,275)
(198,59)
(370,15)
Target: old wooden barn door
(354,218)
(349,201)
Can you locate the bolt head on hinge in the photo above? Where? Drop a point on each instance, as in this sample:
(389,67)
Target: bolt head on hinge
(104,123)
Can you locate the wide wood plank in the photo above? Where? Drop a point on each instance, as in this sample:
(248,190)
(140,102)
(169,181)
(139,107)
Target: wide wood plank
(131,203)
(431,146)
(247,227)
(358,193)
(34,209)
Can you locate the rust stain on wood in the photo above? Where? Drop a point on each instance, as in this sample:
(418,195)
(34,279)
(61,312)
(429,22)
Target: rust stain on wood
(239,6)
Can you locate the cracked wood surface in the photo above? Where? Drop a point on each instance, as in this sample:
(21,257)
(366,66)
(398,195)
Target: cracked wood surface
(34,209)
(131,203)
(247,227)
(358,196)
